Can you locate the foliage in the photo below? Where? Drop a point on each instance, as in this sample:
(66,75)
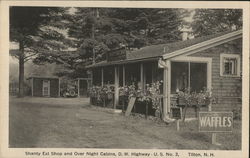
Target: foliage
(92,32)
(101,92)
(150,94)
(210,21)
(109,29)
(34,29)
(153,94)
(45,33)
(129,91)
(93,91)
(197,99)
(106,92)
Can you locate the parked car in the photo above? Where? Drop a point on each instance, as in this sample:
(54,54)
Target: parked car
(68,90)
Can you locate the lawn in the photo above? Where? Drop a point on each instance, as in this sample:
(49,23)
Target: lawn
(73,123)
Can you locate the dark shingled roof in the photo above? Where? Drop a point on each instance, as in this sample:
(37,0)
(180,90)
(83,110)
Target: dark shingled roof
(156,51)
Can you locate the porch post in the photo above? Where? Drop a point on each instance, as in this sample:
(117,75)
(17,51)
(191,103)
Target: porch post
(102,76)
(166,90)
(141,76)
(59,88)
(123,75)
(32,87)
(78,87)
(168,86)
(116,95)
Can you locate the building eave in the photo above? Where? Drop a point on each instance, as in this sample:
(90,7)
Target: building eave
(42,77)
(180,52)
(205,45)
(121,62)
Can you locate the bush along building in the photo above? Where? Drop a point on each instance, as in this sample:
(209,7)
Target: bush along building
(192,72)
(44,86)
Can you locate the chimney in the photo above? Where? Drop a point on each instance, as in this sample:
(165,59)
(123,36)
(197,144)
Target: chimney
(186,34)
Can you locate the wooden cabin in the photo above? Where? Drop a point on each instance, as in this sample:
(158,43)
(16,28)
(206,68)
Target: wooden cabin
(44,86)
(213,61)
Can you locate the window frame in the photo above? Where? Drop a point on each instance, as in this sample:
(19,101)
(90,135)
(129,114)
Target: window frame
(192,59)
(222,68)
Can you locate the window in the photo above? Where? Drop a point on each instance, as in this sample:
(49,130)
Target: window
(192,75)
(229,65)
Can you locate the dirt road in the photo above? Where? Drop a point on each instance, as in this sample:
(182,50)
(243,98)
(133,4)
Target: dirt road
(73,123)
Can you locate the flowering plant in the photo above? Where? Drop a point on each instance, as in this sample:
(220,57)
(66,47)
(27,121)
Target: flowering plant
(129,91)
(94,91)
(101,92)
(150,93)
(123,91)
(106,92)
(193,99)
(198,99)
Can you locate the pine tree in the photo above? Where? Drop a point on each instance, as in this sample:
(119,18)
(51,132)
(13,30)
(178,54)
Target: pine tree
(36,30)
(99,30)
(210,21)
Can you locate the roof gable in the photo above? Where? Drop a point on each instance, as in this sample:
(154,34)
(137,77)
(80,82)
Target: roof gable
(165,49)
(206,44)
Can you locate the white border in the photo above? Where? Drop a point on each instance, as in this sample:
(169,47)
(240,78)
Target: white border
(4,68)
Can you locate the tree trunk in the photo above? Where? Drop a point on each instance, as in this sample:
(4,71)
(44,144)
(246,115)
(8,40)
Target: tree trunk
(21,70)
(93,37)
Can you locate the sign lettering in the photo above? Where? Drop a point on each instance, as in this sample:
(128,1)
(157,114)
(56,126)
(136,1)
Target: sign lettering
(215,121)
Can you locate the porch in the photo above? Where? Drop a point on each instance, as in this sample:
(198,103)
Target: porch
(177,74)
(115,78)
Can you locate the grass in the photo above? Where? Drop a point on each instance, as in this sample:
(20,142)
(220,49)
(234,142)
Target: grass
(72,123)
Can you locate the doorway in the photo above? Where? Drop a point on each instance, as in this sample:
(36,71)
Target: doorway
(83,88)
(46,88)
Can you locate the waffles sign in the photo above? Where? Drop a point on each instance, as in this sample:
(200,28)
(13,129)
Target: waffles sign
(215,121)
